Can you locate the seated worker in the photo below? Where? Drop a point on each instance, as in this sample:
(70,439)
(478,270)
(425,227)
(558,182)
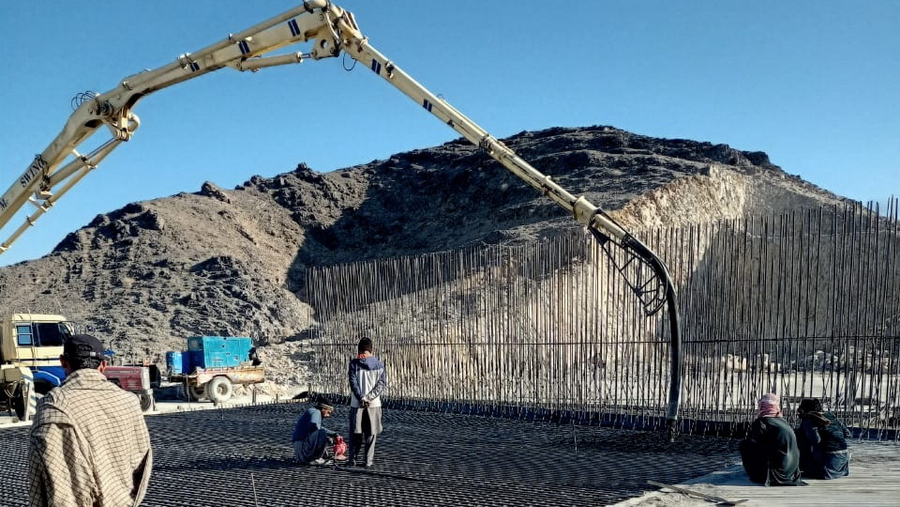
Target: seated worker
(313,443)
(822,440)
(769,453)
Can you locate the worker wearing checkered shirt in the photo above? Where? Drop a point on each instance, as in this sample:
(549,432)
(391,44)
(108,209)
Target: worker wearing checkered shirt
(89,443)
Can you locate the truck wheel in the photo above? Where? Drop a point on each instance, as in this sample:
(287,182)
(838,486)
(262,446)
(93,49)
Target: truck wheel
(146,401)
(193,392)
(219,389)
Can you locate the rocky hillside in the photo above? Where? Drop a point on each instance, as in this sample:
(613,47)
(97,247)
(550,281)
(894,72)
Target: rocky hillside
(232,262)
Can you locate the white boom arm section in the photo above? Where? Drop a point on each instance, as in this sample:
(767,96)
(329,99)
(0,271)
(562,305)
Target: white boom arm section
(46,179)
(331,31)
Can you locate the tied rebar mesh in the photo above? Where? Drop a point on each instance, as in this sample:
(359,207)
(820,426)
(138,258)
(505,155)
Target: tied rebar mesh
(803,304)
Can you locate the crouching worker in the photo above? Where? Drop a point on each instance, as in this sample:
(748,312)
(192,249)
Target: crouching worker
(313,443)
(769,453)
(823,442)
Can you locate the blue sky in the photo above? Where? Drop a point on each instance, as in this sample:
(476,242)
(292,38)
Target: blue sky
(815,84)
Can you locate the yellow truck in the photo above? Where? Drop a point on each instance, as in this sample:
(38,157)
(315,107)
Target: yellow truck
(30,346)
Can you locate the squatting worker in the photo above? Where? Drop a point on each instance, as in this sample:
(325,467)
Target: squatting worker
(367,382)
(89,444)
(313,442)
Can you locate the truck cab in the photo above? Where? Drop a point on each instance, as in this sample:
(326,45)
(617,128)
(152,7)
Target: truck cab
(36,341)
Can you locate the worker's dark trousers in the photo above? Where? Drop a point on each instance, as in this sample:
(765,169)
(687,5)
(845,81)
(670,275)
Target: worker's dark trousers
(312,447)
(367,443)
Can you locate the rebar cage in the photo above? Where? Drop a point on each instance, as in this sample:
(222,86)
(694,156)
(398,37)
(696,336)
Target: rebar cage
(804,304)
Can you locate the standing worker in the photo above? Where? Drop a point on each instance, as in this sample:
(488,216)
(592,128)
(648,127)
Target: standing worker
(89,443)
(367,381)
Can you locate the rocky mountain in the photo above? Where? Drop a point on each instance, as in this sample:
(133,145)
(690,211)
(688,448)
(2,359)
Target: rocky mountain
(232,262)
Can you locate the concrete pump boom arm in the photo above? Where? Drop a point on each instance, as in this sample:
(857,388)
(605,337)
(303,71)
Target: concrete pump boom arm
(331,30)
(47,179)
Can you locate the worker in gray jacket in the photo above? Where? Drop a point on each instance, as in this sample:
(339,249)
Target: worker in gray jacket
(367,382)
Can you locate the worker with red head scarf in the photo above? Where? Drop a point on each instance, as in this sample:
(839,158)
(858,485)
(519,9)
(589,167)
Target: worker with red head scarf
(769,453)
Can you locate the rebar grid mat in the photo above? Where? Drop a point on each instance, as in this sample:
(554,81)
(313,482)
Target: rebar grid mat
(243,457)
